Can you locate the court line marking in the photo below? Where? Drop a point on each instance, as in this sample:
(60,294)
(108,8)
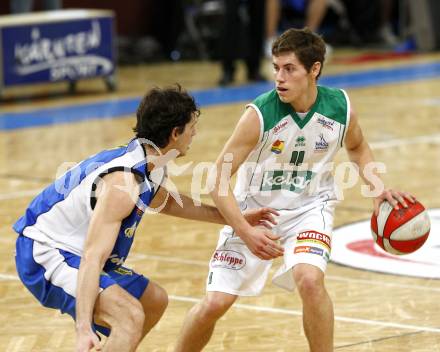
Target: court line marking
(19,194)
(399,142)
(136,257)
(298,313)
(26,178)
(369,342)
(16,344)
(382,283)
(290,312)
(7,277)
(328,277)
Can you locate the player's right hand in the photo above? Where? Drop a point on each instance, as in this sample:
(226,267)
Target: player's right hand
(86,340)
(262,243)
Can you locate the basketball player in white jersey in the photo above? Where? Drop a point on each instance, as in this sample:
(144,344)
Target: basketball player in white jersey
(283,142)
(75,236)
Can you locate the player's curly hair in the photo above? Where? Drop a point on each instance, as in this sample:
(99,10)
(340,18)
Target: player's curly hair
(308,47)
(161,110)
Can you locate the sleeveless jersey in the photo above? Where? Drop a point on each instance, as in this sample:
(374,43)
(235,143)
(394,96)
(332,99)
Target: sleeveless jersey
(291,164)
(60,215)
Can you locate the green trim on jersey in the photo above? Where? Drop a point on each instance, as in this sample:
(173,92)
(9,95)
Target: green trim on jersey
(333,104)
(330,102)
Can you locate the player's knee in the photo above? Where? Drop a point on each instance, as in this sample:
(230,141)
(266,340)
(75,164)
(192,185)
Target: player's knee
(214,306)
(309,281)
(160,299)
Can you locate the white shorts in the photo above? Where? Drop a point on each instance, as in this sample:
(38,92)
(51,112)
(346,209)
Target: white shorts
(306,238)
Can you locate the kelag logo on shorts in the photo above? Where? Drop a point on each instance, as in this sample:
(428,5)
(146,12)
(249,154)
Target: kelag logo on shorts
(228,260)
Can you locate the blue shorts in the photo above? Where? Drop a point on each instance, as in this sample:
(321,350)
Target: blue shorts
(51,275)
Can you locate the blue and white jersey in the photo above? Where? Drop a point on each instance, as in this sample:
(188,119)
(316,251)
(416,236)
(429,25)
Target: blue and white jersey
(60,215)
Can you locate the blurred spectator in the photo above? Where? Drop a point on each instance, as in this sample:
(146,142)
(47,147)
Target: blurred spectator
(299,13)
(21,6)
(273,14)
(232,46)
(357,22)
(386,33)
(168,23)
(372,21)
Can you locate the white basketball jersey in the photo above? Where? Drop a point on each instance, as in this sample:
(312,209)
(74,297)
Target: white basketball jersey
(292,164)
(60,215)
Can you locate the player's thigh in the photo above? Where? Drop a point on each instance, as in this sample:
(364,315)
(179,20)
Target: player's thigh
(234,269)
(308,241)
(307,244)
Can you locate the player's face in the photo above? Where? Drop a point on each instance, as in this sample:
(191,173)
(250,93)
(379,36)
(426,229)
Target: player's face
(291,77)
(185,138)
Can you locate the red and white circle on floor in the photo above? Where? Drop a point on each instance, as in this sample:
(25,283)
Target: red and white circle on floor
(353,245)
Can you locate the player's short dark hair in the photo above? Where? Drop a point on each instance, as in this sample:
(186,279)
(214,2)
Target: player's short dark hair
(308,47)
(161,110)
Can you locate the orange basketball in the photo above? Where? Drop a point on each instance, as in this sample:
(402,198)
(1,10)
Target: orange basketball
(401,231)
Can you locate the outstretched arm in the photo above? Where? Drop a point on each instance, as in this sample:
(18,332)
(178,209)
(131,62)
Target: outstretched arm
(165,202)
(360,153)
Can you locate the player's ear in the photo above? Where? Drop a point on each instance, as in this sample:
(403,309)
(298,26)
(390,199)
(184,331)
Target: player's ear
(316,69)
(174,134)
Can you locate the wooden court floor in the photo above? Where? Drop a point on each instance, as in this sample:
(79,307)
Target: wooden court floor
(374,312)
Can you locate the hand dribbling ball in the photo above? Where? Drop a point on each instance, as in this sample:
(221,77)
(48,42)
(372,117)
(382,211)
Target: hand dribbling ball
(401,231)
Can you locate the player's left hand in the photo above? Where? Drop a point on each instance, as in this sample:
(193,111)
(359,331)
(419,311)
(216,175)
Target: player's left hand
(394,198)
(261,216)
(86,341)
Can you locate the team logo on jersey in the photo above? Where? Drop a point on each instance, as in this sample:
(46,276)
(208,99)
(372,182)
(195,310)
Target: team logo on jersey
(281,126)
(228,259)
(321,145)
(328,124)
(277,147)
(300,141)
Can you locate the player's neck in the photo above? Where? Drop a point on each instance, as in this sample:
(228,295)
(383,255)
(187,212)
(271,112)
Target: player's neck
(159,157)
(305,102)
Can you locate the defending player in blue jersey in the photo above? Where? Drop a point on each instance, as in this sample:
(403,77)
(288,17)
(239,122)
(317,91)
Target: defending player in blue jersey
(76,234)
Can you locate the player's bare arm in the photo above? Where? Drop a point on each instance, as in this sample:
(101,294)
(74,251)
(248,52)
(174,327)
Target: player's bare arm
(204,212)
(240,144)
(114,203)
(360,153)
